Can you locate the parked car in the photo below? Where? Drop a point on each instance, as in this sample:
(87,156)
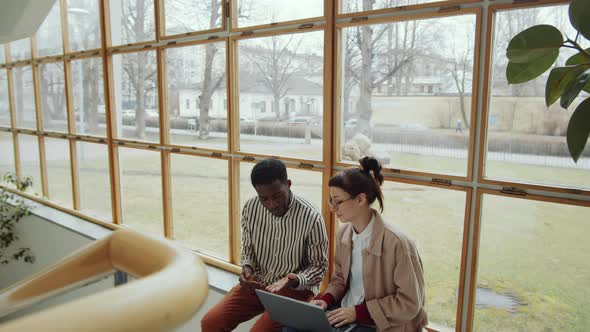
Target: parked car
(303,120)
(350,123)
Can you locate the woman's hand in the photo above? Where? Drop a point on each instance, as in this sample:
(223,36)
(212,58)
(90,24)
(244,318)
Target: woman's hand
(342,316)
(320,303)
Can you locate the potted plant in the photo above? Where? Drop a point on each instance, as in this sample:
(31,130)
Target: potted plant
(534,50)
(12,209)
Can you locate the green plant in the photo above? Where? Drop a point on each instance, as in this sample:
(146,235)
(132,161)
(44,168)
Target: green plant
(12,210)
(534,50)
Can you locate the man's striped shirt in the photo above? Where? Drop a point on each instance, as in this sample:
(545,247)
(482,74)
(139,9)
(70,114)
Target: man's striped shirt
(294,243)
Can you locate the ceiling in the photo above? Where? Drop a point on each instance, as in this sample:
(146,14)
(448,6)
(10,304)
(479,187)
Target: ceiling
(21,18)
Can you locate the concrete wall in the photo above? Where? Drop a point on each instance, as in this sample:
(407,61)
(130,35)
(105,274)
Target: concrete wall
(49,243)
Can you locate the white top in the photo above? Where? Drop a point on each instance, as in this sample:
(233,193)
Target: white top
(356,291)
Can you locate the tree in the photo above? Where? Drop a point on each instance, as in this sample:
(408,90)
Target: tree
(276,62)
(53,93)
(198,12)
(399,50)
(209,84)
(460,68)
(139,67)
(84,34)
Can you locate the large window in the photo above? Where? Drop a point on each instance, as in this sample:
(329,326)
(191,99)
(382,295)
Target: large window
(53,97)
(59,172)
(197,95)
(49,33)
(141,190)
(533,262)
(88,97)
(83,24)
(406,91)
(200,194)
(354,6)
(20,50)
(281,95)
(94,181)
(4,99)
(434,218)
(159,130)
(136,96)
(526,139)
(183,16)
(132,21)
(29,161)
(258,12)
(6,154)
(24,97)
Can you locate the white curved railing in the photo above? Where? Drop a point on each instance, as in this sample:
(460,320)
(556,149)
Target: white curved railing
(171,286)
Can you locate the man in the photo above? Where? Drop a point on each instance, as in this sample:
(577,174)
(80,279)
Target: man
(284,251)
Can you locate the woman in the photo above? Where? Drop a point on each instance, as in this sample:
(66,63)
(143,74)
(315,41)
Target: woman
(378,278)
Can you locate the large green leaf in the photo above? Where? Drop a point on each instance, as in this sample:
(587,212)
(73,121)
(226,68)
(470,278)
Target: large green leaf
(578,59)
(578,129)
(580,16)
(573,88)
(553,88)
(534,43)
(559,79)
(523,72)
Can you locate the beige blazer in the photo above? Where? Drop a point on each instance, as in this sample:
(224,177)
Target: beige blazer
(393,277)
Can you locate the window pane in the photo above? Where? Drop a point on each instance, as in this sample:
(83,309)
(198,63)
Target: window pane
(526,139)
(136,96)
(94,180)
(53,97)
(49,39)
(28,146)
(281,95)
(20,50)
(132,21)
(200,203)
(353,6)
(83,24)
(6,154)
(197,95)
(259,12)
(438,232)
(4,101)
(88,97)
(194,15)
(533,265)
(24,98)
(406,93)
(2,54)
(141,190)
(307,184)
(59,174)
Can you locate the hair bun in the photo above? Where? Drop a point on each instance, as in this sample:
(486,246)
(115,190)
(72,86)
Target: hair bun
(373,167)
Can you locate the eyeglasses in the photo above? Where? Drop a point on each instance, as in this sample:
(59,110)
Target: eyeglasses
(334,205)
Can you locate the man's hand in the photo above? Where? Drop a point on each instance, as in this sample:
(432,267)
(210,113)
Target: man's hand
(320,303)
(290,281)
(247,278)
(342,316)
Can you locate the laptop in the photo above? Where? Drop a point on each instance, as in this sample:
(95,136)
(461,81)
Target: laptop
(298,314)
